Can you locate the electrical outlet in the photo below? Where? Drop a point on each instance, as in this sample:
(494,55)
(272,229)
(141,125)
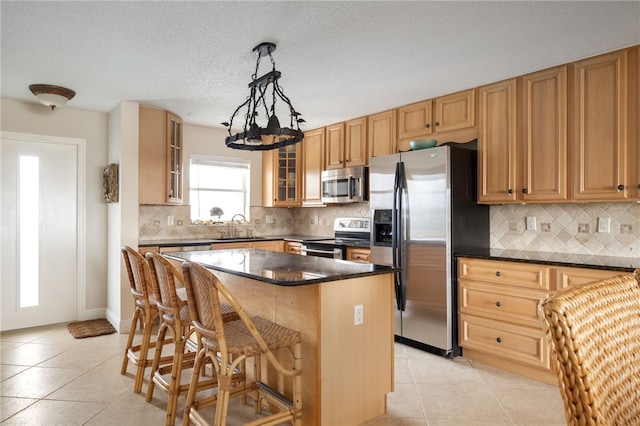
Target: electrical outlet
(604,225)
(170,220)
(358,314)
(268,219)
(531,223)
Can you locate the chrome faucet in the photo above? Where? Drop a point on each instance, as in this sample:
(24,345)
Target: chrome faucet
(244,219)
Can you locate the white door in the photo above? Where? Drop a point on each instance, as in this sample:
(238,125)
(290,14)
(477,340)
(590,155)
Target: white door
(39,233)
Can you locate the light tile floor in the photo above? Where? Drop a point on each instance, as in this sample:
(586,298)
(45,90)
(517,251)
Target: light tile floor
(50,378)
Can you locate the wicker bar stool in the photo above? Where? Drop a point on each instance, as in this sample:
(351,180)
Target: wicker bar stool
(176,319)
(145,312)
(231,343)
(594,331)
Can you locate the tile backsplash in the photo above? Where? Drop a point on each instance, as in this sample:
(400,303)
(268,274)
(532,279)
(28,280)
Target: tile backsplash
(561,228)
(568,228)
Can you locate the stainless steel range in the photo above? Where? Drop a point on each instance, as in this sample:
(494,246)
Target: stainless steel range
(348,232)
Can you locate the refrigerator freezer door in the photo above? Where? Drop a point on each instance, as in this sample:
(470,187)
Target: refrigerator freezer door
(381,181)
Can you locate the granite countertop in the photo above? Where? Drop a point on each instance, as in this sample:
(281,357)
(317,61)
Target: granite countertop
(280,268)
(204,242)
(623,264)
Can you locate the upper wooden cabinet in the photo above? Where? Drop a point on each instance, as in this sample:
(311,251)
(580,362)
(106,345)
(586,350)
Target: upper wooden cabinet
(600,141)
(346,144)
(497,142)
(281,177)
(334,147)
(634,122)
(441,115)
(381,133)
(355,147)
(313,147)
(544,136)
(159,157)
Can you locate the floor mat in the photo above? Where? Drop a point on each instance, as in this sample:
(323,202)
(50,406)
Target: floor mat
(90,328)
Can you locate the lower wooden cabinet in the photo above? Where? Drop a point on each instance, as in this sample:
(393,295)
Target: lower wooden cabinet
(275,245)
(498,301)
(292,247)
(356,254)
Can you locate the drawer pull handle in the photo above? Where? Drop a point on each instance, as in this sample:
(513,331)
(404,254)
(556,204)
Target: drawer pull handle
(497,273)
(498,304)
(499,340)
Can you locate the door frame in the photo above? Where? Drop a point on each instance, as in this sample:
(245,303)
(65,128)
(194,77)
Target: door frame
(80,144)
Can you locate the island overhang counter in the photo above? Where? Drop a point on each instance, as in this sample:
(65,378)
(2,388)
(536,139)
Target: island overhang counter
(347,368)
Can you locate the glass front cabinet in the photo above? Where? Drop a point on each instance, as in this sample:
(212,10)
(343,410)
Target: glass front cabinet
(281,176)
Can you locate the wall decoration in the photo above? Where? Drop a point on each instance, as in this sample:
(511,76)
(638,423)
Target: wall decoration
(110,183)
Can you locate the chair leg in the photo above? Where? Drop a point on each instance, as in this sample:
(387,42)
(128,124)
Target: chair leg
(193,386)
(144,352)
(297,383)
(156,360)
(132,332)
(174,385)
(224,386)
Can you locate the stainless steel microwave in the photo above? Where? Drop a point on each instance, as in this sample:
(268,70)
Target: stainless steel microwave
(348,185)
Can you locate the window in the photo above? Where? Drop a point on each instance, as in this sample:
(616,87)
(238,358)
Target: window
(218,182)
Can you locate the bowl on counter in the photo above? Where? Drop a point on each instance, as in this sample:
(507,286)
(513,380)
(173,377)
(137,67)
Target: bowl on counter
(422,144)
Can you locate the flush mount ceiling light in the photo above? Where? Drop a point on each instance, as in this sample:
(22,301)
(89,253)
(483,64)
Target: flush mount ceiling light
(52,96)
(264,92)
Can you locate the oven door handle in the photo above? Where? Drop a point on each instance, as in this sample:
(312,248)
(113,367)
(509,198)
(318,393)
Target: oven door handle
(308,250)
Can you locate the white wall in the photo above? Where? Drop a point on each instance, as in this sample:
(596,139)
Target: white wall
(34,118)
(123,215)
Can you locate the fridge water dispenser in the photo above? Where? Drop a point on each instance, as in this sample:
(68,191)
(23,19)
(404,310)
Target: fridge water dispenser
(382,227)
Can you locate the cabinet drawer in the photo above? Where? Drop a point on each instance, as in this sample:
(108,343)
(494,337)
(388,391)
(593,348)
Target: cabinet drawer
(358,255)
(505,273)
(292,247)
(525,345)
(567,277)
(499,303)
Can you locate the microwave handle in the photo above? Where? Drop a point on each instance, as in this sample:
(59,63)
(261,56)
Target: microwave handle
(352,186)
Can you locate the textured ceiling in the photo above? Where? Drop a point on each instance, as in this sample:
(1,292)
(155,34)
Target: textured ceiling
(339,60)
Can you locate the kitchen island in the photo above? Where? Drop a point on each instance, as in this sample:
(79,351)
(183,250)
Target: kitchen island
(347,368)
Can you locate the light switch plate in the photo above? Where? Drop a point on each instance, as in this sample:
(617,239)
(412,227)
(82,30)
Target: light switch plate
(604,225)
(358,314)
(531,223)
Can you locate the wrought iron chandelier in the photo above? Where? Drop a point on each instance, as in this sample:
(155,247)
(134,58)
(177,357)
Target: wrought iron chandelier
(268,134)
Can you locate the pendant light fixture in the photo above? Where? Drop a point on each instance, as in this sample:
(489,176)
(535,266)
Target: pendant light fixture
(52,96)
(264,132)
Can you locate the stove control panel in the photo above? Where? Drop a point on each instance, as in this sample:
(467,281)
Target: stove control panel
(352,224)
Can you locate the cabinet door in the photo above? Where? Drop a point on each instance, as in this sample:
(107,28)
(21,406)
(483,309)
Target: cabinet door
(281,177)
(497,142)
(414,121)
(381,135)
(600,128)
(544,136)
(312,163)
(334,147)
(355,150)
(174,159)
(287,176)
(151,156)
(455,111)
(634,123)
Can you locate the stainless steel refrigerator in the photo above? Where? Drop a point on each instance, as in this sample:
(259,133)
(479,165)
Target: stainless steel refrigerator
(423,213)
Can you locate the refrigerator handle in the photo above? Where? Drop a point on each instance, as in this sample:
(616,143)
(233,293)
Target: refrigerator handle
(397,237)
